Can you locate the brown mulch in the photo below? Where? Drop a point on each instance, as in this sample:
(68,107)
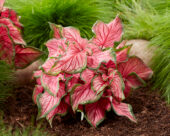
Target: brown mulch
(152,113)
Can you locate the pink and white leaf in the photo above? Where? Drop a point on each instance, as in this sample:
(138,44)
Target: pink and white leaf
(107,34)
(95,112)
(51,83)
(49,63)
(123,109)
(47,102)
(73,37)
(87,75)
(117,85)
(71,34)
(83,94)
(74,61)
(98,84)
(56,47)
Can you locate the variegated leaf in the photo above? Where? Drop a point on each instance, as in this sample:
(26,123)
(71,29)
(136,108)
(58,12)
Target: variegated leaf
(25,56)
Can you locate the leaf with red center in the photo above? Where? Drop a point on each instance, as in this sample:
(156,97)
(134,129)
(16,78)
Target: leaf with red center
(107,93)
(25,56)
(80,108)
(67,99)
(95,112)
(95,61)
(37,90)
(83,94)
(87,75)
(51,83)
(111,64)
(11,14)
(98,84)
(132,81)
(55,30)
(13,31)
(61,110)
(123,109)
(117,85)
(46,102)
(6,45)
(107,34)
(1,4)
(122,52)
(74,61)
(56,47)
(135,65)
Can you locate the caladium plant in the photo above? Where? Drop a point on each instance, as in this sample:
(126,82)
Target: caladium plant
(13,48)
(90,77)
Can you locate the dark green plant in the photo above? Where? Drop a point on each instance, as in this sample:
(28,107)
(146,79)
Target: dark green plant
(36,15)
(25,131)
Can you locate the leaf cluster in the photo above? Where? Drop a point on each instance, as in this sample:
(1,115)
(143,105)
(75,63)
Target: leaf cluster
(88,76)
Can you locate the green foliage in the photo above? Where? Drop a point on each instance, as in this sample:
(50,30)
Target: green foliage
(161,60)
(6,77)
(141,19)
(28,131)
(150,20)
(36,15)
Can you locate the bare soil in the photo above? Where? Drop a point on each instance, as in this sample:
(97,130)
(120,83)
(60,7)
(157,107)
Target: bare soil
(152,113)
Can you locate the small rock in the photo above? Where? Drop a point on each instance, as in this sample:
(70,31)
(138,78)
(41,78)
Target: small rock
(24,76)
(142,49)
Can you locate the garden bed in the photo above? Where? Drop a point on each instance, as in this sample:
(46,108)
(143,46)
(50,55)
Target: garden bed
(152,113)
